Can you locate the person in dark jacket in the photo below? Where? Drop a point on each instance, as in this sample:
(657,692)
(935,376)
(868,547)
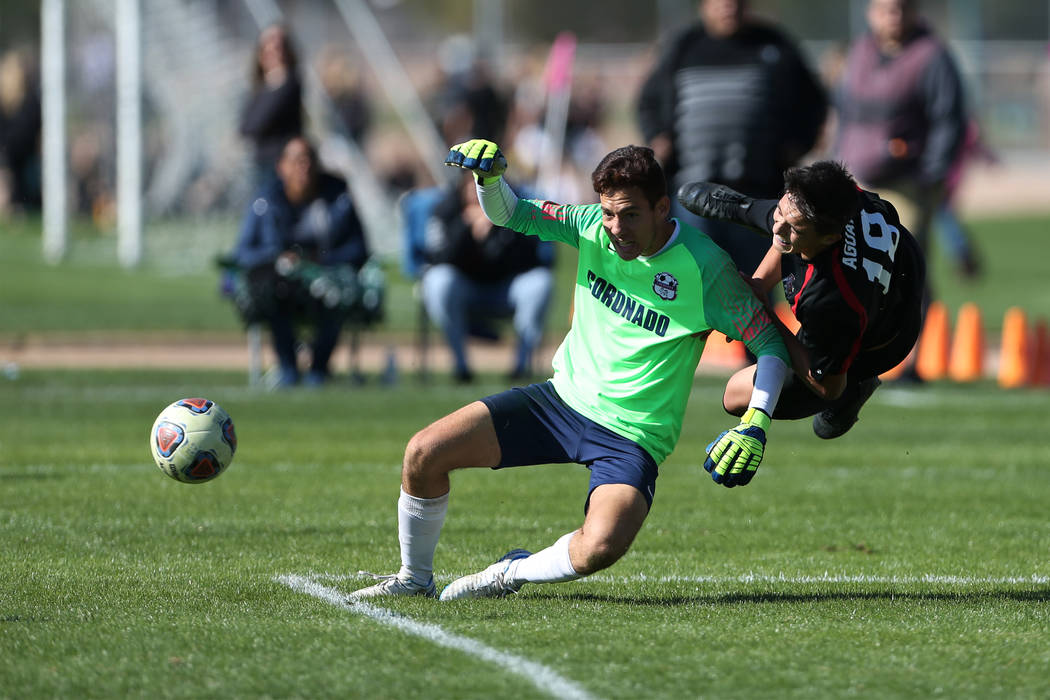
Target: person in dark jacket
(303,218)
(476,269)
(20,123)
(731,100)
(273,112)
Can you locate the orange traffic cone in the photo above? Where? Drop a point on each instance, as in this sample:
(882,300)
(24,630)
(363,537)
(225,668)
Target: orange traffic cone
(1015,362)
(966,363)
(932,361)
(1041,354)
(720,353)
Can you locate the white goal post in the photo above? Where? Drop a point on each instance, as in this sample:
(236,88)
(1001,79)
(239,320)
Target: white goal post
(54,140)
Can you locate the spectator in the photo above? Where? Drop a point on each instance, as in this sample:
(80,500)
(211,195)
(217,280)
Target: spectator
(901,114)
(468,99)
(731,101)
(350,99)
(19,135)
(274,110)
(477,270)
(954,235)
(301,220)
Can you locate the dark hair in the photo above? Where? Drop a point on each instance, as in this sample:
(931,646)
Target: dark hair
(290,54)
(311,149)
(825,194)
(631,166)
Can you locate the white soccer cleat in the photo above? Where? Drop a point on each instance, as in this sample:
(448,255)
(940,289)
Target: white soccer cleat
(489,583)
(391,585)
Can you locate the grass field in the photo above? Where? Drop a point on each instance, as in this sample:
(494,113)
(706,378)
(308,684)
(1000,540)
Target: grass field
(907,559)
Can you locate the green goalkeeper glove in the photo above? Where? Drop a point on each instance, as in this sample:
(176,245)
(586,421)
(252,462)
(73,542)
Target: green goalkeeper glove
(734,456)
(481,157)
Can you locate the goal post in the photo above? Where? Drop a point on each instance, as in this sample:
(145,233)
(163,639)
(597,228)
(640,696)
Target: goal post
(53,103)
(129,132)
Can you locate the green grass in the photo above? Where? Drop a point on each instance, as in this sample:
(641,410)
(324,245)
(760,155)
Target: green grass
(907,559)
(175,290)
(1015,272)
(116,581)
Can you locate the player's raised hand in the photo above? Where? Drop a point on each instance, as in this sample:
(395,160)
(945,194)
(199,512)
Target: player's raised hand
(481,157)
(734,456)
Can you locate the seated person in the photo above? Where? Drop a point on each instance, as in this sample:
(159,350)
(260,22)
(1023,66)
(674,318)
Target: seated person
(476,269)
(301,229)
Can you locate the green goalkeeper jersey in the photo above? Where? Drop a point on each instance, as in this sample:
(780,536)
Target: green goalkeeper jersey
(639,326)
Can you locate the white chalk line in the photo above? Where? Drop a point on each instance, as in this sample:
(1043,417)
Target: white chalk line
(544,678)
(940,579)
(798,579)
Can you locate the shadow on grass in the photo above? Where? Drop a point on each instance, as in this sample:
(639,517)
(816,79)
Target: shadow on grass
(975,597)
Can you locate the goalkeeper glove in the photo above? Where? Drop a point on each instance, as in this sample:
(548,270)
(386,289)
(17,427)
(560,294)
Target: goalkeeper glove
(734,456)
(481,157)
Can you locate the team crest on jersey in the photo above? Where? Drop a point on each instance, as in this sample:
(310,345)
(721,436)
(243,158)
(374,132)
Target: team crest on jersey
(665,285)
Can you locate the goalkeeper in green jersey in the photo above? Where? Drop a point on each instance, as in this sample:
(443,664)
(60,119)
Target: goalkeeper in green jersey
(648,291)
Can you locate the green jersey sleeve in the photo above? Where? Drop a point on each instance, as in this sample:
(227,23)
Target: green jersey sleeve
(554,222)
(732,309)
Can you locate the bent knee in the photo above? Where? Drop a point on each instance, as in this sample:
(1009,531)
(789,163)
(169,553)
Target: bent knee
(738,391)
(733,404)
(420,456)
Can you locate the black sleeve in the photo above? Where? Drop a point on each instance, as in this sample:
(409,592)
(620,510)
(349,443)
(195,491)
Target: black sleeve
(760,214)
(268,109)
(946,115)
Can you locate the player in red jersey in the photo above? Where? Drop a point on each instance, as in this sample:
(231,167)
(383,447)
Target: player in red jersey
(855,287)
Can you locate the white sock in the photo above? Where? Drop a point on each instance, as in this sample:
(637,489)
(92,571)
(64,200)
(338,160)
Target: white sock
(419,522)
(551,565)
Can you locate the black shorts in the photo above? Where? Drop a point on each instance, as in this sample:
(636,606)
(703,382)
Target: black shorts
(534,426)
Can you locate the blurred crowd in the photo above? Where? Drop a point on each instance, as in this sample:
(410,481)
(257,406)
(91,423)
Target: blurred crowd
(729,98)
(466,95)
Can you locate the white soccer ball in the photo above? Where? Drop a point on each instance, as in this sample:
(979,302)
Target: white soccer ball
(193,440)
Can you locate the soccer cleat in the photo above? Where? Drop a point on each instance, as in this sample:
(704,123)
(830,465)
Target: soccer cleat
(391,585)
(488,583)
(837,420)
(713,201)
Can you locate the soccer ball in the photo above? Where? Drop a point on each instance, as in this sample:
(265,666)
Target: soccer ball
(193,441)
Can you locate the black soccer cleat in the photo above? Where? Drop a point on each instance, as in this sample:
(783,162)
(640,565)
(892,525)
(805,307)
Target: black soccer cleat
(713,201)
(837,420)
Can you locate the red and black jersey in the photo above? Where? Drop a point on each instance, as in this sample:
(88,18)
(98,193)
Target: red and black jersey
(857,296)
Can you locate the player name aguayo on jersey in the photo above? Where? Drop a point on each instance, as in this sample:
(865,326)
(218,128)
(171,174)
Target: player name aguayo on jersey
(619,303)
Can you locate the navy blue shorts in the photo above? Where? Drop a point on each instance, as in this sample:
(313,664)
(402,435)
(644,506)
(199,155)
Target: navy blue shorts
(534,426)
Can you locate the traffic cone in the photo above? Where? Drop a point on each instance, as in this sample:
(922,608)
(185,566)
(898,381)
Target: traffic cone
(966,363)
(718,352)
(1041,354)
(932,361)
(1015,361)
(787,316)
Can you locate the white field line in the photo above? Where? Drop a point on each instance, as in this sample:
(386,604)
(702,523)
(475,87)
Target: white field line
(800,579)
(539,675)
(835,579)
